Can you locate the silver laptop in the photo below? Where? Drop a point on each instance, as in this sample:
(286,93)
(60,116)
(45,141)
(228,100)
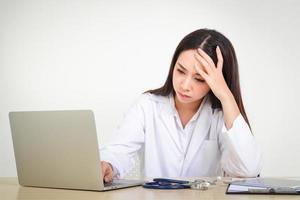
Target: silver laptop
(59,149)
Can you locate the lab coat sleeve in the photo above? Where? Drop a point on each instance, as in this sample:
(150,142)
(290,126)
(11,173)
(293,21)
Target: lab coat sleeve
(241,155)
(121,151)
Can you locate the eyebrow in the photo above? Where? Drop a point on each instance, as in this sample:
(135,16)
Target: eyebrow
(182,66)
(197,74)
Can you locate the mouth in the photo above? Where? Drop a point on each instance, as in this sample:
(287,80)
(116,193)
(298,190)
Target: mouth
(183,95)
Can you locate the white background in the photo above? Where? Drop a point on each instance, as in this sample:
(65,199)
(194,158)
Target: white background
(102,55)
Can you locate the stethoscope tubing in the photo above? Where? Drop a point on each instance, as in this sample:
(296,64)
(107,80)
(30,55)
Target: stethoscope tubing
(163,183)
(155,185)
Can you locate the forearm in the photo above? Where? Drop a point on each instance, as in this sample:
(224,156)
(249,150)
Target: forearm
(241,156)
(230,109)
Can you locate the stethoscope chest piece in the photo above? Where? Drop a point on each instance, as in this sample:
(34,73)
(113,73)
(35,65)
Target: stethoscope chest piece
(200,185)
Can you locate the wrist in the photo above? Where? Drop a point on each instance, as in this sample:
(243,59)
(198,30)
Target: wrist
(226,96)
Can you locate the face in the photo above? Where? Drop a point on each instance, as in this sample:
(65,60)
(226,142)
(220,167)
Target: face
(189,86)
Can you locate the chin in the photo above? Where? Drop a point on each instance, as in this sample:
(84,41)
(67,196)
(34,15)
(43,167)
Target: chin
(186,101)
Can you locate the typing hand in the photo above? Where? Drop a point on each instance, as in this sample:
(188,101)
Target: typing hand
(107,172)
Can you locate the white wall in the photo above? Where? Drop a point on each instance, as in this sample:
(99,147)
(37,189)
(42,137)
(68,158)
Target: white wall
(60,54)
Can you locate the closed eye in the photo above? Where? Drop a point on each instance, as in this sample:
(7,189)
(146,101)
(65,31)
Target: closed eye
(199,80)
(180,71)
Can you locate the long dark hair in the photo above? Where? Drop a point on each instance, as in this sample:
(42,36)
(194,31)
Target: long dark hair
(208,40)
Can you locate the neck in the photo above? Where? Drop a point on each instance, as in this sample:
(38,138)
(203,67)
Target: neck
(187,107)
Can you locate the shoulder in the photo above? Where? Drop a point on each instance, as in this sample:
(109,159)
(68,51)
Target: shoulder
(149,103)
(217,115)
(148,98)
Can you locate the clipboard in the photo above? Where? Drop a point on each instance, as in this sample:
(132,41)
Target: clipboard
(281,186)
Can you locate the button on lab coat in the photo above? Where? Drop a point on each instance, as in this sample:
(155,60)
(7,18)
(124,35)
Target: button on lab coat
(149,125)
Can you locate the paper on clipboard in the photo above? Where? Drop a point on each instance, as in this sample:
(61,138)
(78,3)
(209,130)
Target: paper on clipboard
(265,186)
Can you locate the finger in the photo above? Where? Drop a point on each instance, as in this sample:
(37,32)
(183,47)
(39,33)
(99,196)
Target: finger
(108,177)
(206,57)
(106,172)
(204,63)
(220,58)
(103,168)
(109,172)
(201,72)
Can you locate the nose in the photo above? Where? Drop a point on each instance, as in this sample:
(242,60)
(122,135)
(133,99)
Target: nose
(186,84)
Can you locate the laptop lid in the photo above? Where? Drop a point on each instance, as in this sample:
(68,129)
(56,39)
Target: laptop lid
(57,149)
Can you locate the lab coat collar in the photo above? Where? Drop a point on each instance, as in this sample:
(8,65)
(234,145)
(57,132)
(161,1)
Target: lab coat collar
(168,104)
(175,112)
(202,124)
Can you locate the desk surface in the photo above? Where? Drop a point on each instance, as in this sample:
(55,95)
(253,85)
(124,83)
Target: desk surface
(10,189)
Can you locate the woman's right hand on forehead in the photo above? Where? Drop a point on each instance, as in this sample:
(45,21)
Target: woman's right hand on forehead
(213,74)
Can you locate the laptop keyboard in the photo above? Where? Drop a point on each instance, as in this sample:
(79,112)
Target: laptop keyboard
(120,183)
(112,184)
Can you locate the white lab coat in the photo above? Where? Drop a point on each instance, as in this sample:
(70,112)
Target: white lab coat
(149,125)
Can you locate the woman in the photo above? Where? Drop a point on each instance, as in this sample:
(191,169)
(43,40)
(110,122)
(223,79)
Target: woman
(195,124)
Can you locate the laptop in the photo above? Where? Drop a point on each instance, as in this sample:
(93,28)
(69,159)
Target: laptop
(59,149)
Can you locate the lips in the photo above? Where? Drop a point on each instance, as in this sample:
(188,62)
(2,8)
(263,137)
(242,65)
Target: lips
(183,95)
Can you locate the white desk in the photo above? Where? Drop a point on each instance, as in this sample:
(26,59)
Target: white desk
(11,190)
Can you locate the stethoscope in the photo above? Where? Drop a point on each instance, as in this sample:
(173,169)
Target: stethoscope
(165,183)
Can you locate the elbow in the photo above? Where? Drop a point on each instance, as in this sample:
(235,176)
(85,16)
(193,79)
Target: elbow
(243,168)
(250,172)
(242,172)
